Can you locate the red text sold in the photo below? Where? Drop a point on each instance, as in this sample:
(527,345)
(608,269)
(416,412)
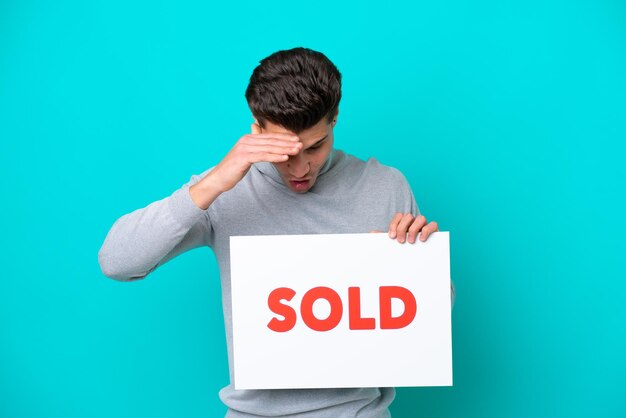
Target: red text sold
(356,321)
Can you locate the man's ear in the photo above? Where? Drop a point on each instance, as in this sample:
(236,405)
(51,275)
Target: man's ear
(255,128)
(335,117)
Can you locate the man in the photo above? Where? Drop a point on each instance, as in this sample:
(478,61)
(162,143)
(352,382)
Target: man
(283,178)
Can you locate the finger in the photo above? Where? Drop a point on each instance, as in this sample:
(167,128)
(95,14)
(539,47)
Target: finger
(250,140)
(403,226)
(415,227)
(275,135)
(255,128)
(292,150)
(393,225)
(267,156)
(427,230)
(376,231)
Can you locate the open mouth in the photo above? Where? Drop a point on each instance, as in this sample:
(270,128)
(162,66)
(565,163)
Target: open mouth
(299,184)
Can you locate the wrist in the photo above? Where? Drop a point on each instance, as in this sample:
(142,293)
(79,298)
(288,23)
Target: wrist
(204,192)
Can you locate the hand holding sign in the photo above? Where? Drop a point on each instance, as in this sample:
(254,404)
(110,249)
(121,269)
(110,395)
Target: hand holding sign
(405,223)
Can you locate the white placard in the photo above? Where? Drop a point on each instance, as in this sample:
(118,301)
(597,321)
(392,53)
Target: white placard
(277,346)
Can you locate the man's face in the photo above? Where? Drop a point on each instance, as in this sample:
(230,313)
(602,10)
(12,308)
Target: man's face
(300,171)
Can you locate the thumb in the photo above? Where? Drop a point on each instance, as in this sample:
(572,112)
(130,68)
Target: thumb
(255,128)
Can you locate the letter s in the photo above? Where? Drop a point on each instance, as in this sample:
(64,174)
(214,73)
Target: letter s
(275,305)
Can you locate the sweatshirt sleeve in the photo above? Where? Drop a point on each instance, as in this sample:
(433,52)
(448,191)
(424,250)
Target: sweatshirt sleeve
(146,238)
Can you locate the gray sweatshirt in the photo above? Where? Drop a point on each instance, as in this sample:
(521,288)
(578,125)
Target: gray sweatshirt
(349,196)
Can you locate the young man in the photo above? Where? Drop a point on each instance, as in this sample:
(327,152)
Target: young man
(283,178)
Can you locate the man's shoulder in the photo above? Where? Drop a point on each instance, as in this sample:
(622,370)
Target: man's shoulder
(372,167)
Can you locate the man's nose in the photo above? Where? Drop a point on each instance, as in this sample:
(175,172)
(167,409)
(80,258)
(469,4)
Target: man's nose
(298,166)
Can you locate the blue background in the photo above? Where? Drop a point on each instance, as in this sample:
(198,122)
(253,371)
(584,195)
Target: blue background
(507,117)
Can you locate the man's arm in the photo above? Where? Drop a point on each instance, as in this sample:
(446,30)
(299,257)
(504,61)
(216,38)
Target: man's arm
(452,293)
(142,240)
(146,238)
